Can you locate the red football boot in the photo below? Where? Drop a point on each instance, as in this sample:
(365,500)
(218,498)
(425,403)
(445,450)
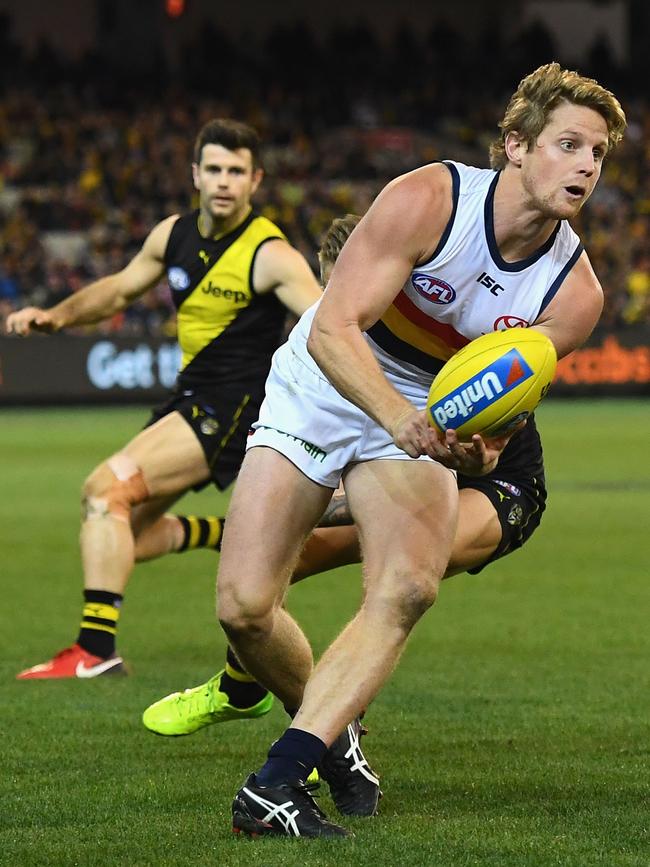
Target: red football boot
(74,662)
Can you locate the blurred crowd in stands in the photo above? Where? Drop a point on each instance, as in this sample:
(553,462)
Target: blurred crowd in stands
(91,158)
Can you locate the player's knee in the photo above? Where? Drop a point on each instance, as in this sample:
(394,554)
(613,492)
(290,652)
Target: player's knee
(417,596)
(113,489)
(97,482)
(94,501)
(242,617)
(409,597)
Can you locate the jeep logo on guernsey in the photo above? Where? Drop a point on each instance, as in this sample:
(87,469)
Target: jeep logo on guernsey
(509,321)
(233,295)
(475,395)
(432,288)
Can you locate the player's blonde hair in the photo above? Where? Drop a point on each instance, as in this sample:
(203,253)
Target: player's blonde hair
(540,93)
(332,244)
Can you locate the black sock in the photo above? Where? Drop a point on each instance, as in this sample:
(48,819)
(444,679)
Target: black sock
(241,688)
(200,532)
(99,622)
(292,757)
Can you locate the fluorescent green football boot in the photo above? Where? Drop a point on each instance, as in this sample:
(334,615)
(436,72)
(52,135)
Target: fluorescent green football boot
(183,713)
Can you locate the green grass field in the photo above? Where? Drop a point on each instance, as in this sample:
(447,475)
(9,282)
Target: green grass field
(516,730)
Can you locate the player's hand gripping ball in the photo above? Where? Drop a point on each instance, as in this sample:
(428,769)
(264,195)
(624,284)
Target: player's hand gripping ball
(493,383)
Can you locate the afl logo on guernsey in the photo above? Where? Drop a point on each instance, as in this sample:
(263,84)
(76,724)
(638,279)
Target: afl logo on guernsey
(178,279)
(432,288)
(508,321)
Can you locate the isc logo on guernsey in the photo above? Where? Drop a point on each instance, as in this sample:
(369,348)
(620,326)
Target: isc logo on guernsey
(475,395)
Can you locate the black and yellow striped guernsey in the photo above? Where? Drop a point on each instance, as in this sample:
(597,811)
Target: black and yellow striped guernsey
(226,331)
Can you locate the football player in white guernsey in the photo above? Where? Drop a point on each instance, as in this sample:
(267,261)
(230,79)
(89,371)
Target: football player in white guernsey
(345,399)
(497,513)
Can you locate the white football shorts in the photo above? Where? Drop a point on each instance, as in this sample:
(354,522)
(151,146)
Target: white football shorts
(306,419)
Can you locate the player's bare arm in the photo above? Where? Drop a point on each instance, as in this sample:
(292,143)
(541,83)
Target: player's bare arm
(572,315)
(104,297)
(337,513)
(280,268)
(401,229)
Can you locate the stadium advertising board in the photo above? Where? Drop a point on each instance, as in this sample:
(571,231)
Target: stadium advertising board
(67,369)
(609,363)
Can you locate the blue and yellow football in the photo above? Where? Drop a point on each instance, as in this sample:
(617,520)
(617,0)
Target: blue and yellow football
(493,383)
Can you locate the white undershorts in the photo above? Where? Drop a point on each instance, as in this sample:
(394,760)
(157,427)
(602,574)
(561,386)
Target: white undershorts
(306,419)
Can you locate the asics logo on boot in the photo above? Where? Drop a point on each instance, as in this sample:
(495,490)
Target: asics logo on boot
(277,811)
(359,762)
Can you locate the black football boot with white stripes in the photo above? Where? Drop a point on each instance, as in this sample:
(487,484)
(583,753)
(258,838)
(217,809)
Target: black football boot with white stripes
(354,786)
(287,810)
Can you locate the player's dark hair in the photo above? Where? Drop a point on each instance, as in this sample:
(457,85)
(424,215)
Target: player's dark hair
(231,134)
(335,237)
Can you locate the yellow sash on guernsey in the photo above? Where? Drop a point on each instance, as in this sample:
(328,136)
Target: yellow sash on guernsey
(223,292)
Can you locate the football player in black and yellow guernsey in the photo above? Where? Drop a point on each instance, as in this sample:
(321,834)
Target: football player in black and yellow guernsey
(233,276)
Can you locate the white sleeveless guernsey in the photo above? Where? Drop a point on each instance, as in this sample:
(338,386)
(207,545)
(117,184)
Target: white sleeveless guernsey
(466,289)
